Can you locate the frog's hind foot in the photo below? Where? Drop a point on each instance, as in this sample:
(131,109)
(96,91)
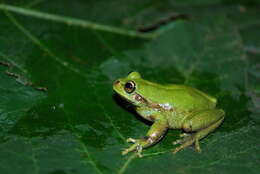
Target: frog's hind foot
(195,137)
(187,141)
(184,136)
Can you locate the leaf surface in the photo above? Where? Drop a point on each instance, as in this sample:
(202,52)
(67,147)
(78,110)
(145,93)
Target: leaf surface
(79,126)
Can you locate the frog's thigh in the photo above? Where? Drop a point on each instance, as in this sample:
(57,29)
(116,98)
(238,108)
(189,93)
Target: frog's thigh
(203,119)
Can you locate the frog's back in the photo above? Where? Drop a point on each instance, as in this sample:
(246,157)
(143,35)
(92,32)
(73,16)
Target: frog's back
(176,87)
(178,96)
(190,98)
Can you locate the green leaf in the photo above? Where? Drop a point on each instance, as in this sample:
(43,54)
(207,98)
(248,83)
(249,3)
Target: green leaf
(76,50)
(16,100)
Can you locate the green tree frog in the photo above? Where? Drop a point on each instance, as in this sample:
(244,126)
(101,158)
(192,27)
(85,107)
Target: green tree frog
(169,107)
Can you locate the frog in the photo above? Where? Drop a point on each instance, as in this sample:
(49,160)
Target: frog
(169,106)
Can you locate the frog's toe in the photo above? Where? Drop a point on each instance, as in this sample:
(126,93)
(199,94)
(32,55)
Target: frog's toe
(176,150)
(183,140)
(184,135)
(131,140)
(139,150)
(180,141)
(126,151)
(133,147)
(130,149)
(197,145)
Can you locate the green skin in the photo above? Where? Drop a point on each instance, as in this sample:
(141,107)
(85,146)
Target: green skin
(169,107)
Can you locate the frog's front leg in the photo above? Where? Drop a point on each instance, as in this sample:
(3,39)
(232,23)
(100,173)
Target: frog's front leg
(200,124)
(155,133)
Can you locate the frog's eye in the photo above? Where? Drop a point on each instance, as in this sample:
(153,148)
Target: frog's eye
(129,87)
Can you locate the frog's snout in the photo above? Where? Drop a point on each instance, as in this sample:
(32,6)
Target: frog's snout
(116,82)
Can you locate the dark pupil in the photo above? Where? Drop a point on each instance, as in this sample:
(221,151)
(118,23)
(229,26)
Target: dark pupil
(129,86)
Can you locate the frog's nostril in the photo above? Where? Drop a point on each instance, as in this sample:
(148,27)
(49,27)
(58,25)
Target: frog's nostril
(116,82)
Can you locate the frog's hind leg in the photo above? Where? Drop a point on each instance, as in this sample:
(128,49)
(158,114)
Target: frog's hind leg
(200,125)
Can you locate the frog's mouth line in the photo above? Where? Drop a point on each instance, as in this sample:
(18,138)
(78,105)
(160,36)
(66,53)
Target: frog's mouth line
(124,98)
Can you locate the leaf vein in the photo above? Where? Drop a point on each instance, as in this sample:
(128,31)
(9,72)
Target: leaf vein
(36,41)
(126,164)
(74,21)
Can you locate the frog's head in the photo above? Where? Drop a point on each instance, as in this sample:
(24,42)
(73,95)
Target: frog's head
(128,88)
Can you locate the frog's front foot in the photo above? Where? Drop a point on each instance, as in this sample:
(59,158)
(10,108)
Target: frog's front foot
(188,140)
(137,146)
